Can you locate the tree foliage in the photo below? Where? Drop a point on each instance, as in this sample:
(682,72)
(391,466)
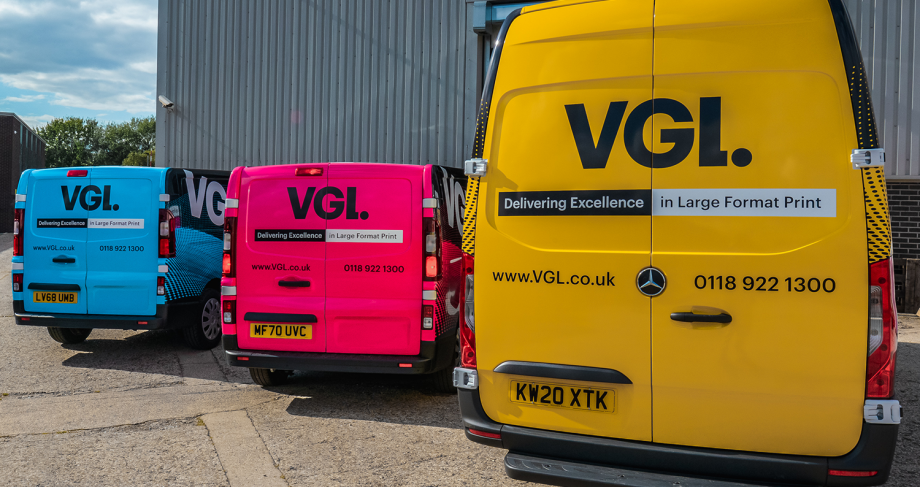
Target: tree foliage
(76,141)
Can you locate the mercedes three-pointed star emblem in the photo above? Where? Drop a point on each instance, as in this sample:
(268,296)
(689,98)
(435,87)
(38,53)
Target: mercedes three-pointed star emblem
(651,281)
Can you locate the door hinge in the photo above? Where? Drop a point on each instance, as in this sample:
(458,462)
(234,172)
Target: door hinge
(475,167)
(868,158)
(429,202)
(882,411)
(466,378)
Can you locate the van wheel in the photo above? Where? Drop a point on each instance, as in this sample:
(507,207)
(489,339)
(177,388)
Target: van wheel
(443,380)
(69,336)
(268,377)
(204,334)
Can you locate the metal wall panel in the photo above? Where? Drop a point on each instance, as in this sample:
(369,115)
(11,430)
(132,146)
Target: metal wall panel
(260,82)
(890,43)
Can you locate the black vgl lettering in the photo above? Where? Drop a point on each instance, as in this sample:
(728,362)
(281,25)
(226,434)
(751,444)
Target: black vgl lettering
(681,138)
(70,201)
(595,156)
(301,208)
(94,201)
(337,206)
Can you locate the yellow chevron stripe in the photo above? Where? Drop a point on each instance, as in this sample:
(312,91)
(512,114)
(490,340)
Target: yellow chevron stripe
(878,221)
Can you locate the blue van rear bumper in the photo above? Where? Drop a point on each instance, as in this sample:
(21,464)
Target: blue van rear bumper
(574,460)
(158,321)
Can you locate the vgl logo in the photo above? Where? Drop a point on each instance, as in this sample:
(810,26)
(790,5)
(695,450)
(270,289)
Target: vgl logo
(87,200)
(302,207)
(711,153)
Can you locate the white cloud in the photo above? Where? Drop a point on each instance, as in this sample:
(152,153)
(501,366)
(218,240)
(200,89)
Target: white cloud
(94,89)
(36,121)
(25,98)
(145,66)
(122,13)
(24,8)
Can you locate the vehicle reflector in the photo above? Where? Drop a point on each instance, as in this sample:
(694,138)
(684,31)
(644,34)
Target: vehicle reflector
(77,173)
(405,366)
(308,171)
(17,283)
(883,331)
(431,266)
(26,319)
(18,230)
(427,317)
(853,473)
(485,434)
(242,358)
(141,322)
(229,308)
(227,265)
(161,286)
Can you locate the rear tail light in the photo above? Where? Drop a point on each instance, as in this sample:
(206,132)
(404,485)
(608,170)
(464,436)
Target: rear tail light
(161,286)
(883,331)
(167,233)
(468,325)
(229,251)
(427,317)
(485,434)
(432,249)
(77,173)
(17,283)
(308,171)
(229,308)
(18,230)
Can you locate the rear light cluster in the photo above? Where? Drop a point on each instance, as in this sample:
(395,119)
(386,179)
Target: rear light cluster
(229,254)
(432,249)
(17,283)
(427,317)
(161,286)
(229,309)
(468,324)
(167,233)
(883,331)
(18,230)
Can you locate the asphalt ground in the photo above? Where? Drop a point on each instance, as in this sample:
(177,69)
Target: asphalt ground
(141,408)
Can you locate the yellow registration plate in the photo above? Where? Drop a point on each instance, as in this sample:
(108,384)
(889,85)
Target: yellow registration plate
(562,396)
(54,297)
(275,330)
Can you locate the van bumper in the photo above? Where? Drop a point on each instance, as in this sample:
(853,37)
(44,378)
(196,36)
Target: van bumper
(433,356)
(158,321)
(570,459)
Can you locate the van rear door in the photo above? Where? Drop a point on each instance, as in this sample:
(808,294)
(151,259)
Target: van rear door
(763,220)
(55,242)
(122,240)
(564,224)
(280,258)
(374,257)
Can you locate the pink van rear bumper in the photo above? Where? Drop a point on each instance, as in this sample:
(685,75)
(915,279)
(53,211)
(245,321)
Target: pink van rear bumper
(433,356)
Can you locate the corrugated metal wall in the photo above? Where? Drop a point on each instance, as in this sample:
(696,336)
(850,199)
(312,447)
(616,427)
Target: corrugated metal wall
(890,44)
(258,82)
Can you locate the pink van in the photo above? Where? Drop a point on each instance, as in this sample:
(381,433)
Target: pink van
(343,267)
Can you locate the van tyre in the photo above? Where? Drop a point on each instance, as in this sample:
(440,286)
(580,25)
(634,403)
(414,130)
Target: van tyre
(268,377)
(69,336)
(204,332)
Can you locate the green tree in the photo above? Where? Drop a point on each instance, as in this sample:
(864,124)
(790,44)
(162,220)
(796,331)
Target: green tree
(71,141)
(136,159)
(76,141)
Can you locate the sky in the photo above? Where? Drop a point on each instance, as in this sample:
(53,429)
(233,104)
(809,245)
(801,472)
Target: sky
(82,58)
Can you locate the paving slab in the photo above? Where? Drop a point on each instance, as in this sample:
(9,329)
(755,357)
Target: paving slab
(241,451)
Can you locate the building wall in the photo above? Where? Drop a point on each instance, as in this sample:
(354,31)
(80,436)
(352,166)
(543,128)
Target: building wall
(259,82)
(20,149)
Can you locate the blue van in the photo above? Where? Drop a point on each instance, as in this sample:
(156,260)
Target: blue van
(131,248)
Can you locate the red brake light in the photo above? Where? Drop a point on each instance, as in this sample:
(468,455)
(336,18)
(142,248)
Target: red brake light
(883,331)
(77,173)
(167,233)
(467,323)
(17,283)
(431,266)
(853,473)
(308,171)
(18,230)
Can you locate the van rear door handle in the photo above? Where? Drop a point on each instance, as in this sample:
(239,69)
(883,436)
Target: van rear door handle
(701,318)
(63,260)
(294,283)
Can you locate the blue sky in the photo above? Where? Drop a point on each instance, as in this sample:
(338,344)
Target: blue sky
(82,58)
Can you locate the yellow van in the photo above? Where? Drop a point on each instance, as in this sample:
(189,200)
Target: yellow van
(678,237)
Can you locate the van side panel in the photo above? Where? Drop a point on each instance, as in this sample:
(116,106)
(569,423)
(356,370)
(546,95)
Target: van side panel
(764,220)
(555,284)
(53,201)
(449,187)
(121,241)
(374,259)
